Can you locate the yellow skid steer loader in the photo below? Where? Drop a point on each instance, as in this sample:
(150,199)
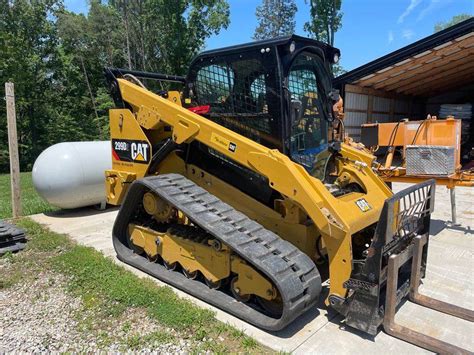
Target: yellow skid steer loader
(235,188)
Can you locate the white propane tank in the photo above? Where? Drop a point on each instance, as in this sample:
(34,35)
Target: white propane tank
(71,174)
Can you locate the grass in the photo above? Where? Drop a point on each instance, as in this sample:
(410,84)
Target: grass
(92,275)
(108,290)
(31,202)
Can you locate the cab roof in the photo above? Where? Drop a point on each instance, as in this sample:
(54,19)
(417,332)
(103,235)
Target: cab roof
(283,41)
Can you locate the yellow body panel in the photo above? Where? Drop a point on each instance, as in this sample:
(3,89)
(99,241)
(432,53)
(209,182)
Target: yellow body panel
(214,264)
(336,219)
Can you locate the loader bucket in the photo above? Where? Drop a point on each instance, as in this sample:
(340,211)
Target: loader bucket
(395,264)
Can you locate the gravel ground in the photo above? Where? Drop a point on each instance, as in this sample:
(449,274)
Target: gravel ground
(41,316)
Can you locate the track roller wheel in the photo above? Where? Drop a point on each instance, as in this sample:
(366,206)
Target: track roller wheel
(169,266)
(136,249)
(214,285)
(216,244)
(273,308)
(153,259)
(190,274)
(236,292)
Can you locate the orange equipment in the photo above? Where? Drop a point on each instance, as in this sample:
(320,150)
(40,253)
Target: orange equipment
(429,132)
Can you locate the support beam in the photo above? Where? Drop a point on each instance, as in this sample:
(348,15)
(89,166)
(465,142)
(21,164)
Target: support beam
(425,71)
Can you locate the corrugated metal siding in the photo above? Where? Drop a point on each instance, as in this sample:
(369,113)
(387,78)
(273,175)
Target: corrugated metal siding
(353,120)
(381,117)
(402,106)
(356,101)
(385,108)
(381,104)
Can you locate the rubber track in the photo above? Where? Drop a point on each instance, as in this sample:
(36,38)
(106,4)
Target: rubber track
(292,272)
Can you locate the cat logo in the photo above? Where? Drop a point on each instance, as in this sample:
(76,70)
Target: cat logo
(139,151)
(133,151)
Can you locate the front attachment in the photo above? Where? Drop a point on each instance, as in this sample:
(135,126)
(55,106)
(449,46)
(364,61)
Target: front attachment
(396,261)
(394,266)
(404,216)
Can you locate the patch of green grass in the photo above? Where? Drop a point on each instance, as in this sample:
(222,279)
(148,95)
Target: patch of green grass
(137,341)
(248,343)
(9,279)
(42,240)
(31,202)
(213,347)
(159,337)
(100,278)
(107,290)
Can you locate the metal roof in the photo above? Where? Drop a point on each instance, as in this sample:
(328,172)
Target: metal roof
(435,63)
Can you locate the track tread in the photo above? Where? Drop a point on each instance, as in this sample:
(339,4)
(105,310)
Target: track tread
(293,273)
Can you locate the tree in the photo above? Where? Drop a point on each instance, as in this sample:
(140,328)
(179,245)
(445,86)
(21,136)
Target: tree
(338,70)
(27,58)
(275,18)
(165,35)
(455,20)
(56,60)
(326,20)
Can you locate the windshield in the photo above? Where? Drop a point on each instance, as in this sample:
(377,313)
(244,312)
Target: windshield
(309,127)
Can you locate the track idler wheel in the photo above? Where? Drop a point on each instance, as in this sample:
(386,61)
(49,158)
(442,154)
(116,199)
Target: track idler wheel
(236,292)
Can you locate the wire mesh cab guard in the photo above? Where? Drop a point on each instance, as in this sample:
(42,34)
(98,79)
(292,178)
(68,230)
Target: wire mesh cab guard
(395,264)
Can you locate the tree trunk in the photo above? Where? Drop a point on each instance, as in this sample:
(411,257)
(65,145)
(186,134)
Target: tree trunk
(91,95)
(125,18)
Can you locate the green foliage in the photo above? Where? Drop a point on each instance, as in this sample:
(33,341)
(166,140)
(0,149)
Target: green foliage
(454,21)
(31,202)
(338,70)
(163,36)
(56,58)
(326,20)
(275,18)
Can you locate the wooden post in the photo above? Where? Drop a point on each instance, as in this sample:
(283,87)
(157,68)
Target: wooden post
(13,150)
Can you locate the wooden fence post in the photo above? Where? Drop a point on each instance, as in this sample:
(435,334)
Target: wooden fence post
(13,150)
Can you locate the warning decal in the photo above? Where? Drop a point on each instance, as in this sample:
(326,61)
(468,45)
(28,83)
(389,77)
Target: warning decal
(131,151)
(363,205)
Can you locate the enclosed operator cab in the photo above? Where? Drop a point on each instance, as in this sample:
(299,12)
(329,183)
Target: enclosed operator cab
(275,92)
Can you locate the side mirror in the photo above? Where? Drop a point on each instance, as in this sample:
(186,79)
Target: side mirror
(334,95)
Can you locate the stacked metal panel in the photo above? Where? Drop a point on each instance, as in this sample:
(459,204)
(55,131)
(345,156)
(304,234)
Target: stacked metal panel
(12,238)
(461,111)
